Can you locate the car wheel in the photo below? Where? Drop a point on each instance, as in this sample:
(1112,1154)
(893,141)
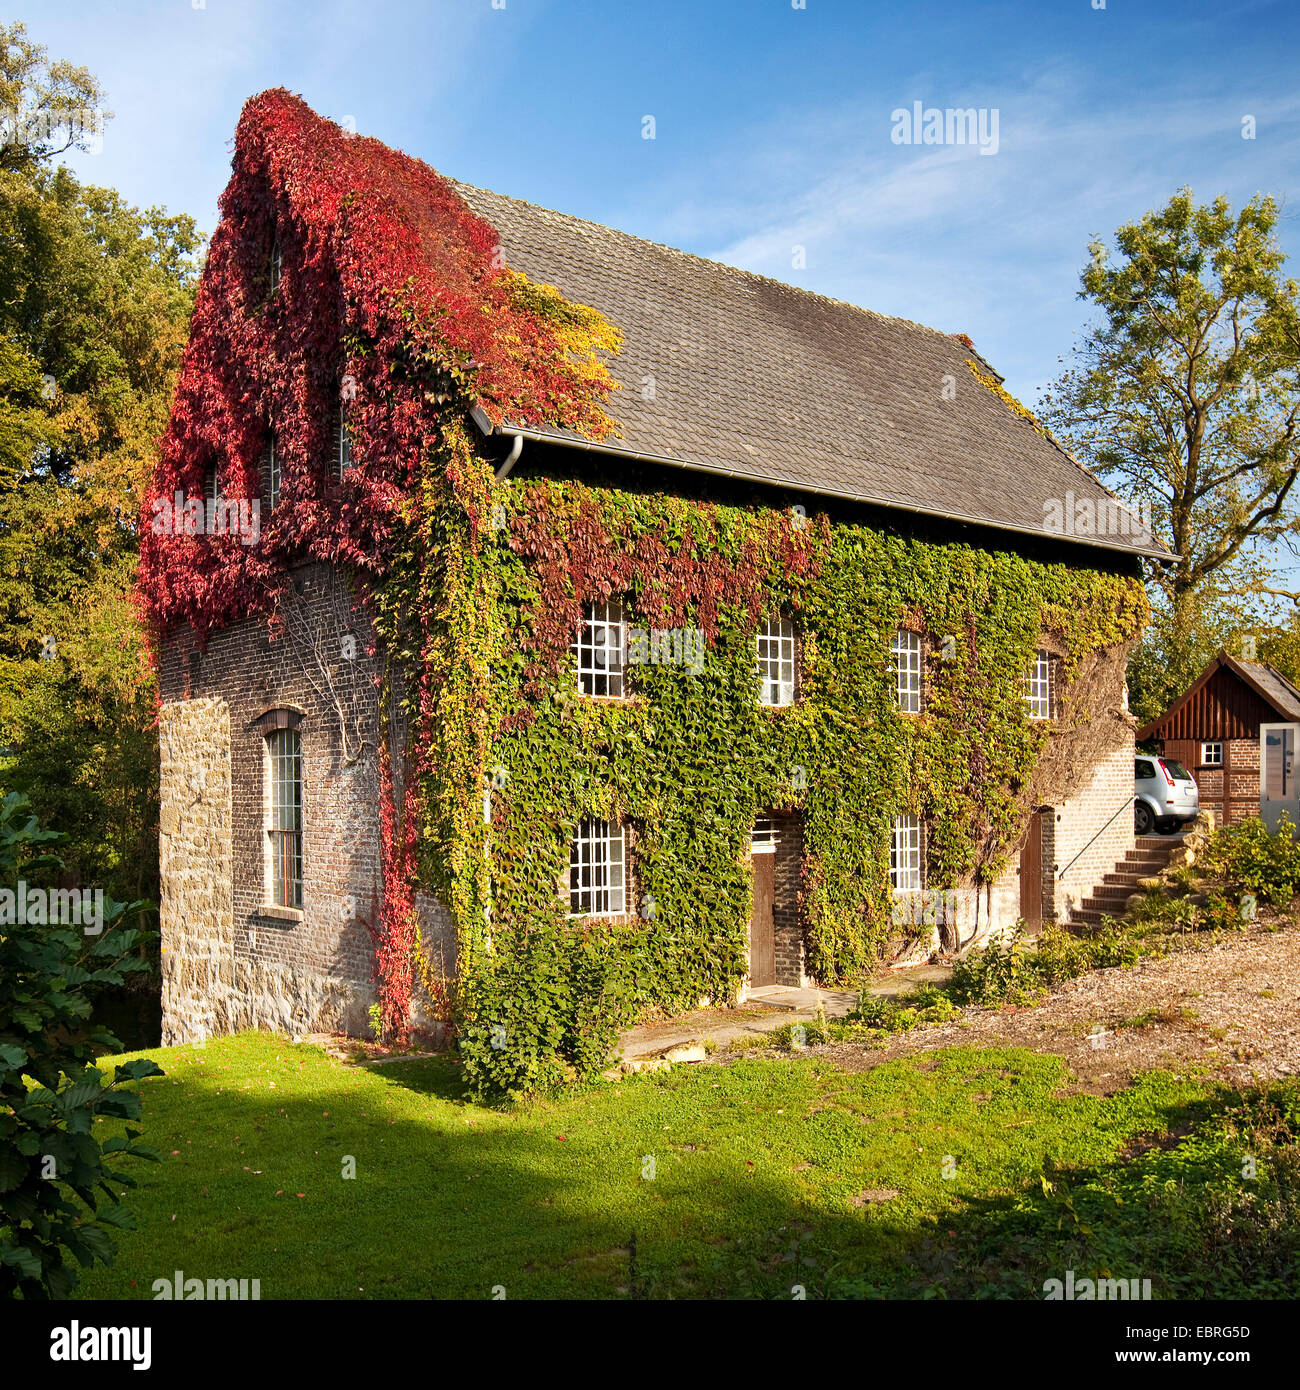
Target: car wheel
(1143,820)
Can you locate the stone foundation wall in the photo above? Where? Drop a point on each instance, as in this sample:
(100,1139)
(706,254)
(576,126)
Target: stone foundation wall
(232,959)
(194,850)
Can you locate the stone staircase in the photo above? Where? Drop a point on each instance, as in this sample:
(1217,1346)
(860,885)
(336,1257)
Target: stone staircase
(1145,861)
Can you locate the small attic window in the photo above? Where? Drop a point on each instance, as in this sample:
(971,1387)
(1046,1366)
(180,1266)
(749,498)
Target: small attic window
(341,442)
(274,266)
(271,460)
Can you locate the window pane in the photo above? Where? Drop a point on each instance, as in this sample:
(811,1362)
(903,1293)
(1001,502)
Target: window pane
(273,473)
(285,755)
(905,653)
(774,649)
(596,864)
(599,650)
(345,442)
(905,855)
(1038,686)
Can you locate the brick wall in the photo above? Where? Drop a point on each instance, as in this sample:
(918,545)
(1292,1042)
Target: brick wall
(1243,779)
(1093,830)
(787,916)
(296,971)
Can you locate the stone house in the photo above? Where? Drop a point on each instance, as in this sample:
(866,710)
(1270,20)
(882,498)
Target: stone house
(1235,730)
(744,408)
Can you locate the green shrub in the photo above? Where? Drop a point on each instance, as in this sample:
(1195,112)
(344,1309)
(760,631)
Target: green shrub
(875,1010)
(50,1091)
(1003,972)
(1247,856)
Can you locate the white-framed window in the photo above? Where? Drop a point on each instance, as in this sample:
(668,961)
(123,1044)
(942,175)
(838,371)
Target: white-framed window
(272,473)
(275,267)
(1038,685)
(343,440)
(775,655)
(212,485)
(762,839)
(599,649)
(284,816)
(905,855)
(596,869)
(905,654)
(1212,755)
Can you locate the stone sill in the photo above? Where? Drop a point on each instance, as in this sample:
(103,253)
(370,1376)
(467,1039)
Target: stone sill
(283,914)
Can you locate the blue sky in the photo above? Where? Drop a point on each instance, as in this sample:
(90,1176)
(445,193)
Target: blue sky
(772,125)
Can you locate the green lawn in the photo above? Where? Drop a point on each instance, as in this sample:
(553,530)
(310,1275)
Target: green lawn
(758,1178)
(758,1174)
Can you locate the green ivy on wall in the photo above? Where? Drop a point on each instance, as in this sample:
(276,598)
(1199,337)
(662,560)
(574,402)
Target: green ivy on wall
(688,759)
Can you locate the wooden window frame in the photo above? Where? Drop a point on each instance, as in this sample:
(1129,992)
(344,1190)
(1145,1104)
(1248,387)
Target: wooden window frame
(598,848)
(273,473)
(910,644)
(283,752)
(1040,685)
(901,851)
(343,443)
(779,631)
(601,664)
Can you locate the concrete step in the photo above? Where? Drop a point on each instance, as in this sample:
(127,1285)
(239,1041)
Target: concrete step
(1112,893)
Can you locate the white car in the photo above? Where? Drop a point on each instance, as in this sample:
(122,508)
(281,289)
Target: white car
(1165,795)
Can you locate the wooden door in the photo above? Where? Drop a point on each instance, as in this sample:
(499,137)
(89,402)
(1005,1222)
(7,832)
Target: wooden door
(1031,871)
(762,938)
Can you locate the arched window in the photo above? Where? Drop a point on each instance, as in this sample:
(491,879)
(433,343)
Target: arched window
(283,806)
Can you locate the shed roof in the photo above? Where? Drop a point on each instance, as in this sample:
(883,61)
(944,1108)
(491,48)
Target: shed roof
(1266,681)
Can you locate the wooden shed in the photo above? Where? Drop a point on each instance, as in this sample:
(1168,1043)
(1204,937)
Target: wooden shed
(1235,730)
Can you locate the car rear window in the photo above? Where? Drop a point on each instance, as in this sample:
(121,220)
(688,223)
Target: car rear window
(1177,770)
(1142,769)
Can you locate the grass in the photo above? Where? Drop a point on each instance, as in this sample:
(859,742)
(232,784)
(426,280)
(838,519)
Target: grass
(760,1172)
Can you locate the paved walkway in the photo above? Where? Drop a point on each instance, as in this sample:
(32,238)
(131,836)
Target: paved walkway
(684,1039)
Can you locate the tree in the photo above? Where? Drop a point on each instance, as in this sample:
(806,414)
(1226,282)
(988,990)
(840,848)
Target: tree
(46,108)
(51,1092)
(95,299)
(1185,395)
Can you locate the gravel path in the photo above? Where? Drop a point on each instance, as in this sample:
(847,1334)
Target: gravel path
(1232,1009)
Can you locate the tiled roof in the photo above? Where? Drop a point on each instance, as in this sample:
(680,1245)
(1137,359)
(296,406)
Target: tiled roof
(1269,684)
(735,373)
(1275,688)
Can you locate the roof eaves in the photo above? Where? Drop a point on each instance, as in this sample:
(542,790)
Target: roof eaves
(667,460)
